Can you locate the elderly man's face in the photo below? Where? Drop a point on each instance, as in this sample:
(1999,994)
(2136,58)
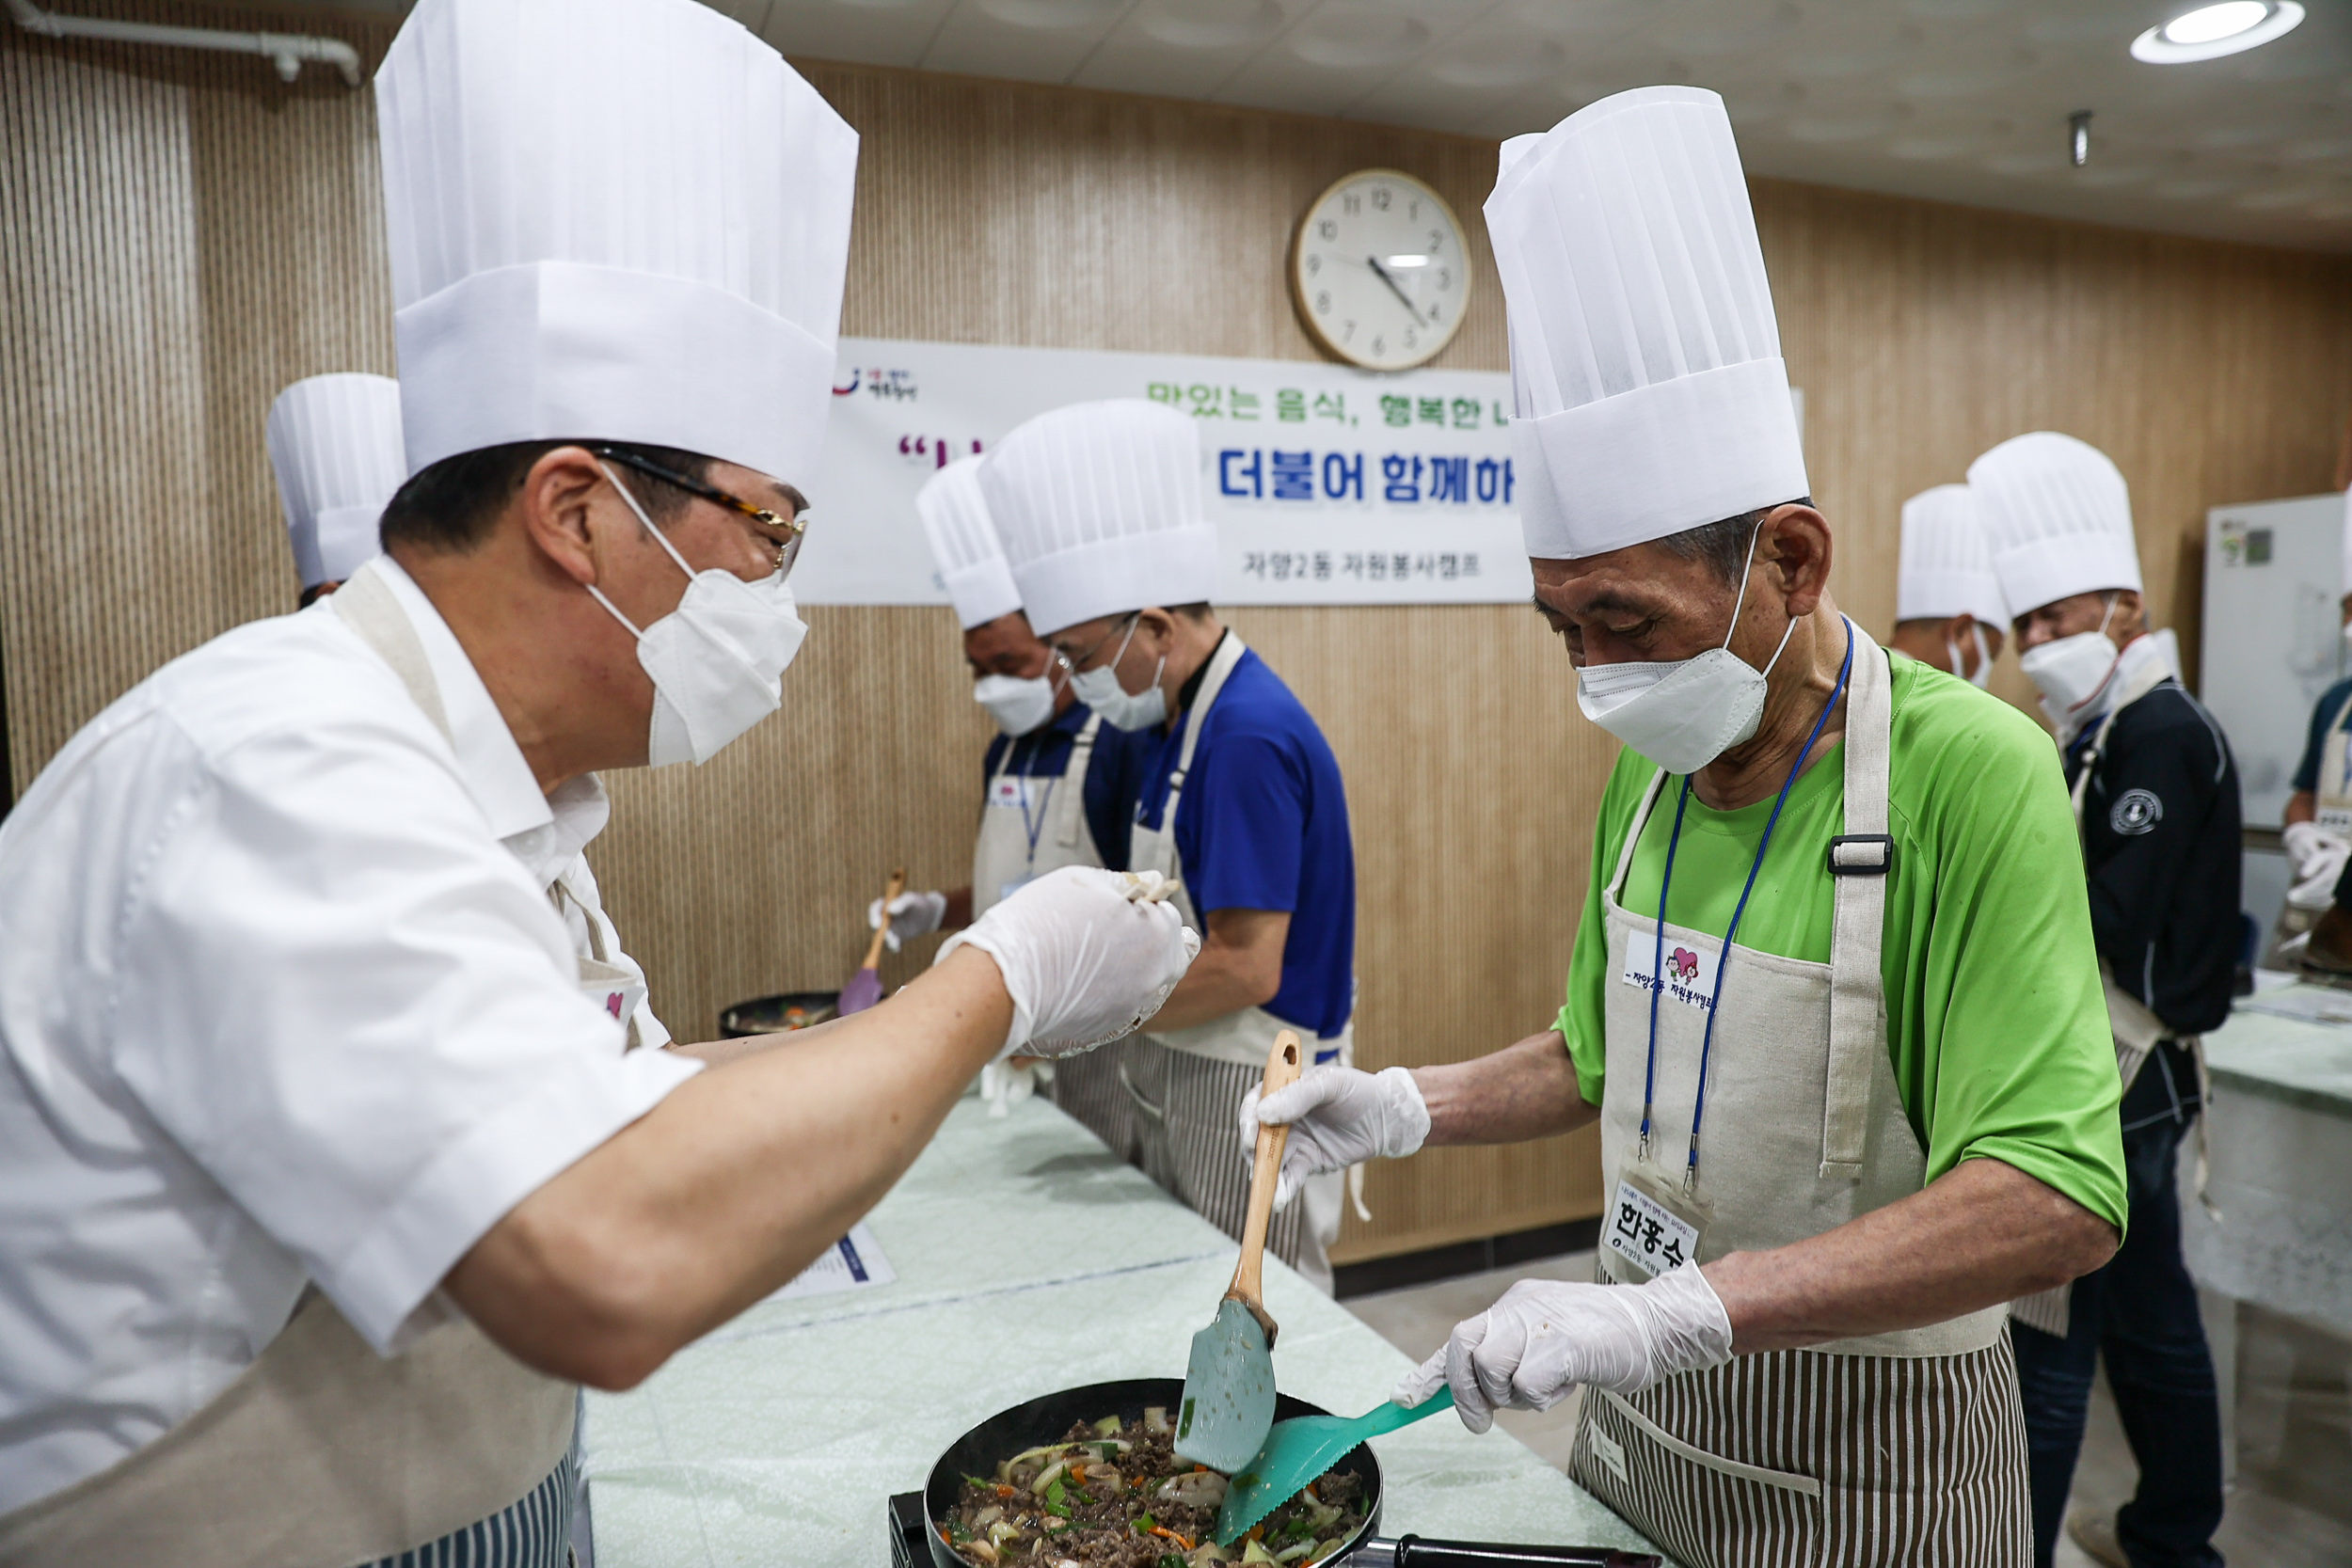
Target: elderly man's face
(1645,604)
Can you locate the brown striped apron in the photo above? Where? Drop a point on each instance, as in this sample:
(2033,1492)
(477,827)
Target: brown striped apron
(1187,1084)
(1899,1449)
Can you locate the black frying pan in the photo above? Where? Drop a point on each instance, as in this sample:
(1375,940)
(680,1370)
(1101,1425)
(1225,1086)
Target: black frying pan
(1044,1419)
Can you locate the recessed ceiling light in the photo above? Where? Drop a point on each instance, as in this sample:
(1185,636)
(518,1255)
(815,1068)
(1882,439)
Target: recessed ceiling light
(2210,32)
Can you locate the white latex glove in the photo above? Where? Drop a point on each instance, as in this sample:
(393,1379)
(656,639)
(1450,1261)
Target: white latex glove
(1546,1336)
(1086,955)
(912,915)
(2318,858)
(1005,1085)
(1338,1118)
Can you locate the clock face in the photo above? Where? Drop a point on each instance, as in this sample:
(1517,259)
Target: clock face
(1378,269)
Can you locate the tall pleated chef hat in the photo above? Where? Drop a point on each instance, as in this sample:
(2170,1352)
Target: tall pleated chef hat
(1947,566)
(2058,517)
(334,441)
(621,220)
(1098,506)
(963,542)
(1644,356)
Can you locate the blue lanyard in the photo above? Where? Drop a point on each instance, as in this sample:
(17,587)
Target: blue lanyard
(1722,961)
(1032,828)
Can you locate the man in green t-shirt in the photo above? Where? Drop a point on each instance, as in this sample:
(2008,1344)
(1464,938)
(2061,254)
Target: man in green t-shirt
(1833,999)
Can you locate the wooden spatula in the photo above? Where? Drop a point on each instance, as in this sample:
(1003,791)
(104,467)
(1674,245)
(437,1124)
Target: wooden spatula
(1229,1382)
(865,987)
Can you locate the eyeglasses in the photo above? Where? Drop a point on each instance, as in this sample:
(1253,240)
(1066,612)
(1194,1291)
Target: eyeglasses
(796,526)
(1080,663)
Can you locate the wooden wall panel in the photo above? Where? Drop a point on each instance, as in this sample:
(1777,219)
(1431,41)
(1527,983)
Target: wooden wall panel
(184,236)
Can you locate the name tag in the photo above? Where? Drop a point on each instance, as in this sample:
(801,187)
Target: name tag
(1690,970)
(1609,1451)
(1013,793)
(1645,1234)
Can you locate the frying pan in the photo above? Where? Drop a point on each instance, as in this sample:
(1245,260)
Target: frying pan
(766,1016)
(1044,1419)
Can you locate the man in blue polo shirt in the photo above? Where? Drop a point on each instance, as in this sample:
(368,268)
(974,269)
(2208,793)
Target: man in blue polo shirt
(1098,508)
(1057,785)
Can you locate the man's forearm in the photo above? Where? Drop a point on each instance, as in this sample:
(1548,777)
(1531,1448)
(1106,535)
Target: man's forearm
(1982,1234)
(1522,1091)
(1240,966)
(731,1185)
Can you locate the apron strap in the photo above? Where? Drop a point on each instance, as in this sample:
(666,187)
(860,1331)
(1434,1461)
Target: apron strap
(1860,863)
(369,606)
(1221,664)
(1068,814)
(1633,835)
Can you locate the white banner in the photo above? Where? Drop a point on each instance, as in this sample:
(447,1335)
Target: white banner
(1329,485)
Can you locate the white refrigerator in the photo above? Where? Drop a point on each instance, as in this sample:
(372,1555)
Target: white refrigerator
(2272,646)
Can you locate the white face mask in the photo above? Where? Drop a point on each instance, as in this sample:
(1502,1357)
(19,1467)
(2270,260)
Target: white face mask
(2072,672)
(1018,703)
(1983,677)
(717,660)
(1121,708)
(1682,714)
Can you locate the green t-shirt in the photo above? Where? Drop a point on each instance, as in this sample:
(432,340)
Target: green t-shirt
(1995,1018)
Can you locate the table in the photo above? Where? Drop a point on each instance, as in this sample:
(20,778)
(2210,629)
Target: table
(1029,1259)
(2280,1132)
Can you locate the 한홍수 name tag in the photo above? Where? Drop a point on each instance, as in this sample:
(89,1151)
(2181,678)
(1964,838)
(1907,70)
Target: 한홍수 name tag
(1690,968)
(1650,1230)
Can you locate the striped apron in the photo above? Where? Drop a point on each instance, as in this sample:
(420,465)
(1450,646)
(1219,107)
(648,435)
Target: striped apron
(1899,1449)
(1014,846)
(1187,1084)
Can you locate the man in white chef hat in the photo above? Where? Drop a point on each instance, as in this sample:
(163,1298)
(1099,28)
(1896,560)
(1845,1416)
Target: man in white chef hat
(1823,887)
(334,443)
(2155,798)
(325,1172)
(1947,603)
(1099,508)
(1057,785)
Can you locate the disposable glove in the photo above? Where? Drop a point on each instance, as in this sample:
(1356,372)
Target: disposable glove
(1338,1118)
(1087,956)
(2318,858)
(912,915)
(1546,1336)
(1005,1085)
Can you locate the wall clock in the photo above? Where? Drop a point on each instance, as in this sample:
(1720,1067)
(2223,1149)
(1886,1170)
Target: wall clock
(1378,269)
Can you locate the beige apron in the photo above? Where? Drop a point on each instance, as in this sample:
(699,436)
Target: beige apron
(2332,802)
(323,1453)
(1240,1040)
(1896,1448)
(1006,854)
(2134,1028)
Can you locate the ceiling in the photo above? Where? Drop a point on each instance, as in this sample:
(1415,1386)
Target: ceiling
(1961,101)
(1953,100)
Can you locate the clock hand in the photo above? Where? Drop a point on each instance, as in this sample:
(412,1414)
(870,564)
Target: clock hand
(1373,263)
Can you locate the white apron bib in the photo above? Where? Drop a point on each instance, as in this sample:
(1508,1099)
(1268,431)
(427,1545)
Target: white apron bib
(2333,793)
(1027,830)
(1244,1039)
(322,1453)
(1895,1449)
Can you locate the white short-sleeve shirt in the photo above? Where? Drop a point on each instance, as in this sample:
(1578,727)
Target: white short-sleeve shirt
(283,998)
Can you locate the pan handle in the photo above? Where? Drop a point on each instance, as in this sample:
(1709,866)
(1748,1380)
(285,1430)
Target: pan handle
(1411,1551)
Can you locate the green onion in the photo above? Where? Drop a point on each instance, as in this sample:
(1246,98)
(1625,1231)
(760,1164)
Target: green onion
(1145,1524)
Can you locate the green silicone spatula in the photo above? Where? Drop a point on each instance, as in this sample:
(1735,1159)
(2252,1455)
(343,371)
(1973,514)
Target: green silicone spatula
(1299,1450)
(1229,1382)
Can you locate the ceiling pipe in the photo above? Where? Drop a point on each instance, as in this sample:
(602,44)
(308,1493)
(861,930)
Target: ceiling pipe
(286,50)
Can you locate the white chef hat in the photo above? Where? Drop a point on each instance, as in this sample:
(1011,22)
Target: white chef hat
(2058,517)
(624,220)
(1098,506)
(1644,356)
(1947,563)
(334,441)
(963,542)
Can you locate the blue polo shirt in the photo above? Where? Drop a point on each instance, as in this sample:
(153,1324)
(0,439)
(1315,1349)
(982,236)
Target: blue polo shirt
(1263,825)
(1113,776)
